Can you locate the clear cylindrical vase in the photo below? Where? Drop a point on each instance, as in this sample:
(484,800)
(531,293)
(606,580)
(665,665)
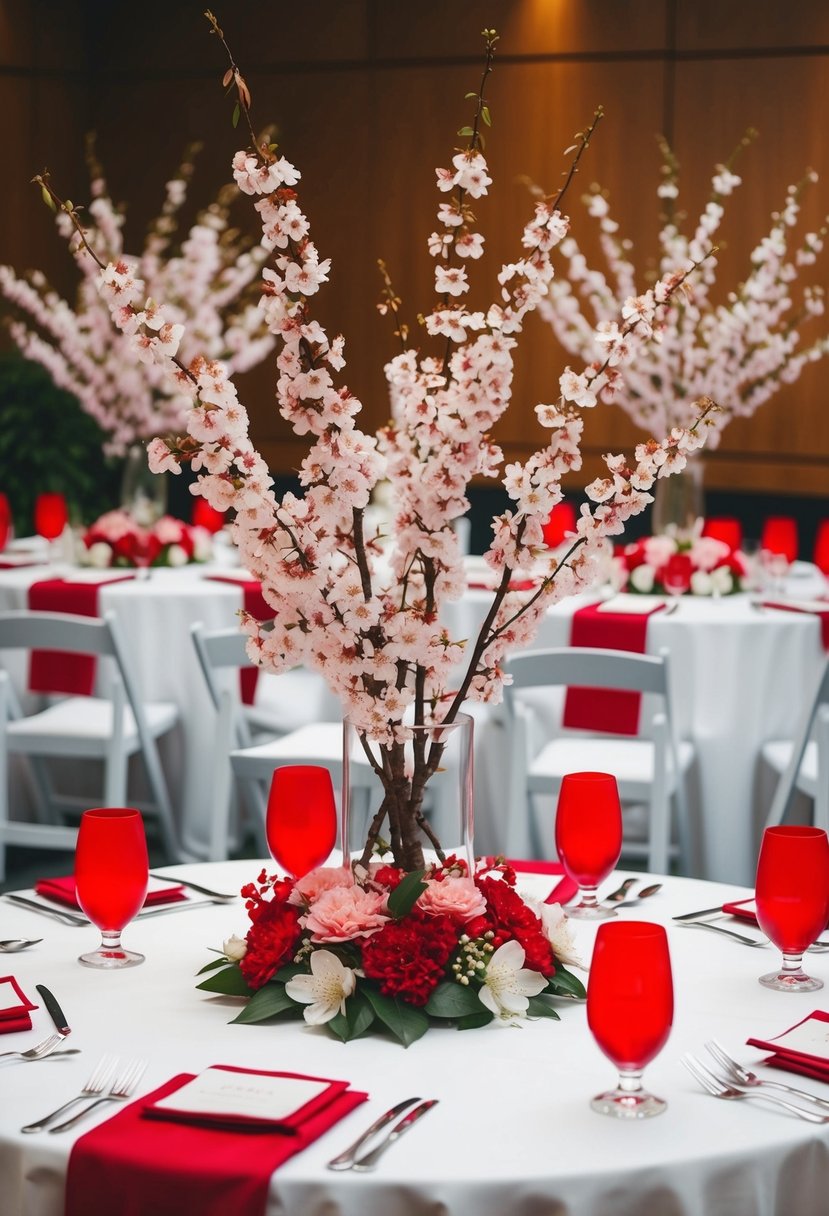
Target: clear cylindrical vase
(679,500)
(143,493)
(411,801)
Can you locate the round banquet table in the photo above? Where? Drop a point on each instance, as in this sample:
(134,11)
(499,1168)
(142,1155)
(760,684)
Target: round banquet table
(513,1134)
(155,615)
(739,674)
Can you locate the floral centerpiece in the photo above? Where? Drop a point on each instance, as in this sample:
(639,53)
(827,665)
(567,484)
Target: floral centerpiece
(350,948)
(370,620)
(117,539)
(205,276)
(679,563)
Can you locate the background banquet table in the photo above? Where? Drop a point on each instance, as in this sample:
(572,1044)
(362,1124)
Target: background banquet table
(739,675)
(513,1134)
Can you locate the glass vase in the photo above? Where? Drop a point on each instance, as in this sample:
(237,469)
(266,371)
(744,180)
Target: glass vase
(679,500)
(143,494)
(410,801)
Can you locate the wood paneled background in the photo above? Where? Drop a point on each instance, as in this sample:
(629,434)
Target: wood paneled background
(367,96)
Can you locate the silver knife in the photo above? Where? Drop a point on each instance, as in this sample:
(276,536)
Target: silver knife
(193,886)
(68,918)
(346,1159)
(369,1160)
(703,912)
(54,1010)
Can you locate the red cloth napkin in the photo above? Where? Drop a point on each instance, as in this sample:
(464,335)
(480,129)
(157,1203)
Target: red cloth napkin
(821,613)
(255,603)
(606,709)
(14,1006)
(794,1060)
(742,908)
(171,1168)
(62,891)
(561,893)
(57,670)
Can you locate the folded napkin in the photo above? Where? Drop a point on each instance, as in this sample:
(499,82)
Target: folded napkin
(144,1159)
(803,1048)
(608,709)
(58,670)
(561,893)
(745,909)
(62,891)
(14,1006)
(818,608)
(255,603)
(515,584)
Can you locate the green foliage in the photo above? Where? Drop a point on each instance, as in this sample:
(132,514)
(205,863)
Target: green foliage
(564,983)
(406,1022)
(48,443)
(268,1002)
(229,982)
(406,894)
(451,1000)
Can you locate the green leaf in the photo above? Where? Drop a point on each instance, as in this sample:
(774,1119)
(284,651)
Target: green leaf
(212,965)
(564,983)
(289,972)
(406,1022)
(358,1017)
(406,894)
(539,1007)
(486,116)
(467,96)
(450,1000)
(466,131)
(266,1003)
(229,982)
(473,1020)
(237,112)
(47,198)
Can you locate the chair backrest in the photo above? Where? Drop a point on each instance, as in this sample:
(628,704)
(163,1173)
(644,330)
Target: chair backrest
(218,650)
(24,630)
(816,709)
(588,667)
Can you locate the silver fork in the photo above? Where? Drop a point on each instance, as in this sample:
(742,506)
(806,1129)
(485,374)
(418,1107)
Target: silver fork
(38,1051)
(121,1088)
(742,1076)
(102,1074)
(721,1089)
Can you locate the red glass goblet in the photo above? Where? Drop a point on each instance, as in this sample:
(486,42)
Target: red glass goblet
(779,536)
(111,876)
(301,823)
(561,524)
(589,836)
(5,521)
(725,528)
(821,553)
(50,517)
(630,1007)
(792,898)
(205,516)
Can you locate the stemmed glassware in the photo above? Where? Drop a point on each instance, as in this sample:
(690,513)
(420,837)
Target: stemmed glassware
(792,899)
(630,1005)
(589,836)
(5,521)
(111,877)
(301,823)
(51,516)
(778,549)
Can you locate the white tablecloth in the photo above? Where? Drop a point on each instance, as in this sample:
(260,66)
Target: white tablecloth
(155,615)
(513,1134)
(739,676)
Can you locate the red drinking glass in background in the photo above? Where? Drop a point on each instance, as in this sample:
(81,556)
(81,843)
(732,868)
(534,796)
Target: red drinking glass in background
(779,536)
(589,836)
(5,521)
(724,528)
(630,1007)
(111,876)
(675,575)
(821,553)
(50,515)
(792,899)
(561,522)
(205,516)
(301,823)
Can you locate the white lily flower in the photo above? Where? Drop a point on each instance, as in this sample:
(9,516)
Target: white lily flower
(324,991)
(508,984)
(559,933)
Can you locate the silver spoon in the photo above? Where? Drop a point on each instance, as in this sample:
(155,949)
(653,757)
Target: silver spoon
(13,944)
(645,893)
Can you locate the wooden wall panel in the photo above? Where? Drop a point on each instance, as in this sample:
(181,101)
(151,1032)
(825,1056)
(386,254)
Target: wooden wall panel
(721,25)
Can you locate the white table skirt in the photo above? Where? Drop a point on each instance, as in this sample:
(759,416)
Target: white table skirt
(739,677)
(513,1134)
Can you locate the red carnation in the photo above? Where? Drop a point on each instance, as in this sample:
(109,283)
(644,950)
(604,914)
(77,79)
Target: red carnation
(409,956)
(510,917)
(271,941)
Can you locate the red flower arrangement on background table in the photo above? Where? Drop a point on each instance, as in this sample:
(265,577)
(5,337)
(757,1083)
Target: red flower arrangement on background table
(358,948)
(116,539)
(680,565)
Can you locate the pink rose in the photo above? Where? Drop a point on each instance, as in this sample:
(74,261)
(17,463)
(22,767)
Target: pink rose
(311,886)
(707,552)
(452,897)
(344,913)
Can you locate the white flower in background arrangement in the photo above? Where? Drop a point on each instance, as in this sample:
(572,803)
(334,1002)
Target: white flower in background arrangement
(99,555)
(344,608)
(234,948)
(508,984)
(325,990)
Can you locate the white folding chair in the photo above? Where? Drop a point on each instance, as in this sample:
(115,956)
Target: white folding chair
(650,768)
(248,747)
(109,728)
(802,763)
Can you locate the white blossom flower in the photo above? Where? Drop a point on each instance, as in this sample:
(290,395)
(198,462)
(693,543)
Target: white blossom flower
(324,991)
(508,983)
(559,933)
(235,948)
